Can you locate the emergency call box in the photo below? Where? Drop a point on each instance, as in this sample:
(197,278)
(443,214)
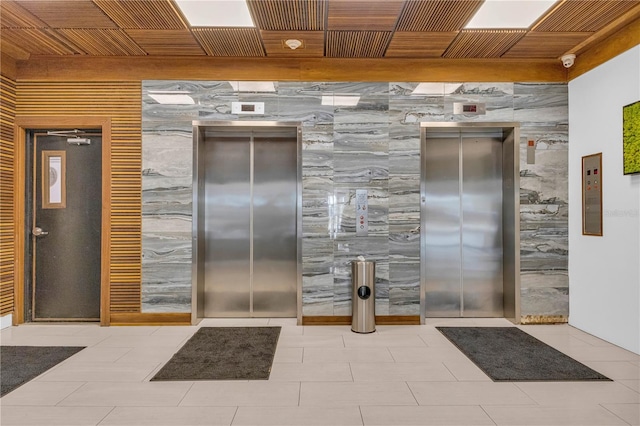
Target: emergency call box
(592,194)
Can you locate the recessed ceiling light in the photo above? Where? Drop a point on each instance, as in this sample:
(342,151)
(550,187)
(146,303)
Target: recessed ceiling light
(293,43)
(509,13)
(172,98)
(216,13)
(340,100)
(253,86)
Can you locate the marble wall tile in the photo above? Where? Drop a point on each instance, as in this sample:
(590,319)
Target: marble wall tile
(404,288)
(497,97)
(167,151)
(542,110)
(374,145)
(346,250)
(302,102)
(317,276)
(344,212)
(540,104)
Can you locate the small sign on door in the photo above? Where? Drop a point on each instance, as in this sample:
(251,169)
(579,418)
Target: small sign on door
(54,194)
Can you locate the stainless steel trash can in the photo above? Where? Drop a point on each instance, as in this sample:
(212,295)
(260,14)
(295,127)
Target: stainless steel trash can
(363,305)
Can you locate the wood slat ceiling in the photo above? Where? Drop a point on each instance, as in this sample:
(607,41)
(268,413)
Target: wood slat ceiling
(483,43)
(436,15)
(289,15)
(327,28)
(357,44)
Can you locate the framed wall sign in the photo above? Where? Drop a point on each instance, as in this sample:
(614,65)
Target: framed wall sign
(631,138)
(592,194)
(54,193)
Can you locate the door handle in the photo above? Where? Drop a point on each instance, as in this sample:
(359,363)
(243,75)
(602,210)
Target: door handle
(38,232)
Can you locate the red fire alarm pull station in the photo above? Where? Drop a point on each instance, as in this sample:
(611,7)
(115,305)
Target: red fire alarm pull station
(531,152)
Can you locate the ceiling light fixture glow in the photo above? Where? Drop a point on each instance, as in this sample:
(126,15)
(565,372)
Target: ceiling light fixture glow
(435,88)
(216,13)
(340,100)
(172,98)
(253,86)
(293,43)
(509,13)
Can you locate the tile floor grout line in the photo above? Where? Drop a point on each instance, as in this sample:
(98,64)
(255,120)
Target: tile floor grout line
(412,394)
(361,415)
(235,413)
(488,415)
(451,372)
(106,415)
(185,394)
(71,393)
(609,411)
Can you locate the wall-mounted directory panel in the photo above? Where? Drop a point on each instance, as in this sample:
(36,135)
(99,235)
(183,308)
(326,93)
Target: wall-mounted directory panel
(592,194)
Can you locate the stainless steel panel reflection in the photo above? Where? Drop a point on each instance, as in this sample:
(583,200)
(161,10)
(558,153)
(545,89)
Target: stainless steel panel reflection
(511,223)
(441,222)
(274,224)
(482,225)
(227,196)
(485,222)
(197,261)
(247,208)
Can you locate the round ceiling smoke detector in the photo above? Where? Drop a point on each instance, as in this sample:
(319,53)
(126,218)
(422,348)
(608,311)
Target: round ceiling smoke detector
(293,43)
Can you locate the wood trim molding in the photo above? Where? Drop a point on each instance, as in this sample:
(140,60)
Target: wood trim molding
(22,124)
(118,318)
(9,69)
(7,194)
(544,319)
(621,41)
(61,68)
(346,320)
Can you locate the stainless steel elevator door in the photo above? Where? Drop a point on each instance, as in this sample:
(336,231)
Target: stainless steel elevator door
(250,192)
(227,196)
(463,224)
(443,255)
(481,226)
(274,225)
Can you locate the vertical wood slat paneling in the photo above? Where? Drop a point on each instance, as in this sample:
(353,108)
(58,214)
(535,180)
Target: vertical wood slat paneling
(7,194)
(121,102)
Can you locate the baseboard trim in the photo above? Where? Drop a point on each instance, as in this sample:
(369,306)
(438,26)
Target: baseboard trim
(544,319)
(346,320)
(119,318)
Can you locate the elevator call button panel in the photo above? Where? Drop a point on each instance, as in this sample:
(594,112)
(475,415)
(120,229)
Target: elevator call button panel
(592,194)
(362,213)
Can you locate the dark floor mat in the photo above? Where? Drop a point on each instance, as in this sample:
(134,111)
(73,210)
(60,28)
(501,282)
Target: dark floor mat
(19,364)
(510,354)
(224,353)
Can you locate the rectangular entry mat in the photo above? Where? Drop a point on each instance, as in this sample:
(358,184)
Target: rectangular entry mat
(20,364)
(224,353)
(510,354)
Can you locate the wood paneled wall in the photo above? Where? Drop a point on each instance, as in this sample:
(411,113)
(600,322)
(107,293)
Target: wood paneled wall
(7,194)
(120,101)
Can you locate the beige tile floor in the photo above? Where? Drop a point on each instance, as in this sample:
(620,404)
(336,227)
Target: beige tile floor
(401,375)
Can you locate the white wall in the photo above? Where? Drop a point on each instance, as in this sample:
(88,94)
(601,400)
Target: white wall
(5,321)
(604,272)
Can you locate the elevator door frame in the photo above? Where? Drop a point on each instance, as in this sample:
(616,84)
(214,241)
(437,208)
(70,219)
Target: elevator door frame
(510,209)
(198,240)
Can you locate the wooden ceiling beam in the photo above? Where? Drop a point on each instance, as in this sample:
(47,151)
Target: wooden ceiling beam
(606,49)
(56,68)
(8,68)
